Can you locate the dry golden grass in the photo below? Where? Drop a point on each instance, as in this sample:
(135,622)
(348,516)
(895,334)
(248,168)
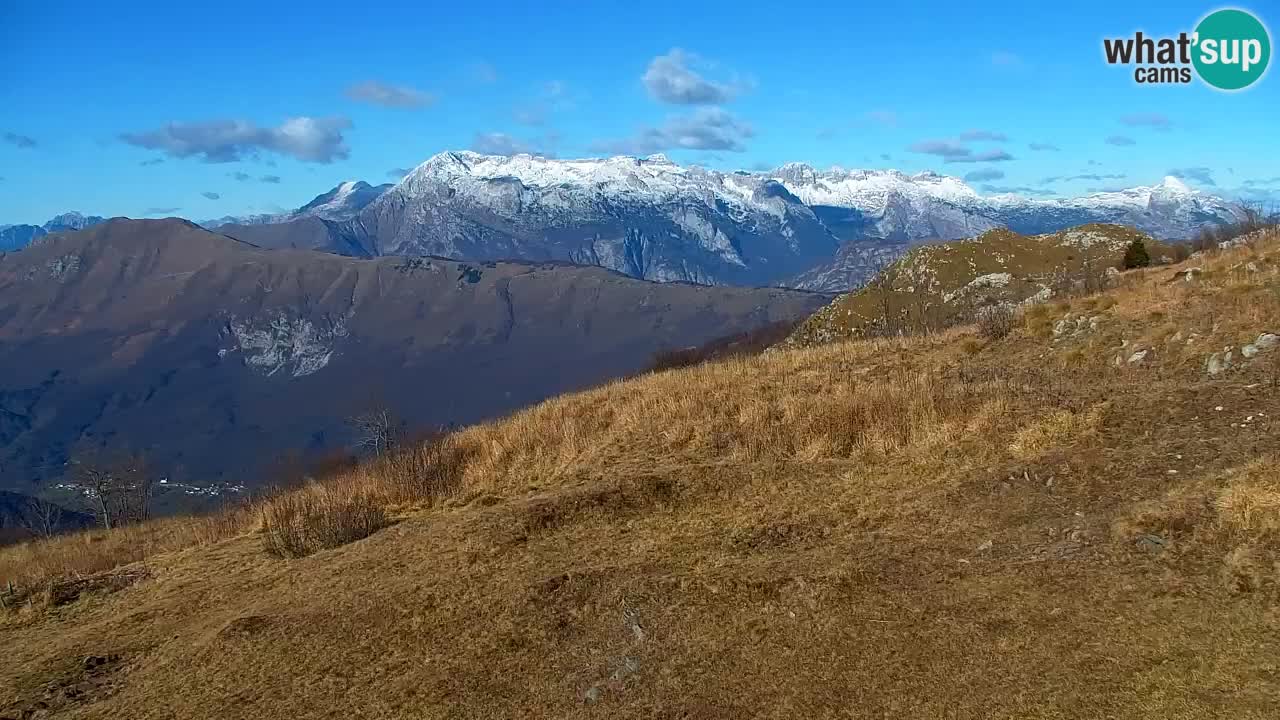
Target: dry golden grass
(318,517)
(918,527)
(1250,504)
(36,566)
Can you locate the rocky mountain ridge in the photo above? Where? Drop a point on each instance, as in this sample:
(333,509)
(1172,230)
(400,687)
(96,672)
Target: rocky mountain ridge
(654,219)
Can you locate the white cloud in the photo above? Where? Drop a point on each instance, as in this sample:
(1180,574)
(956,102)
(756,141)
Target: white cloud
(887,118)
(953,152)
(392,96)
(21,141)
(983,136)
(984,175)
(706,129)
(496,143)
(1153,120)
(1202,175)
(671,79)
(307,139)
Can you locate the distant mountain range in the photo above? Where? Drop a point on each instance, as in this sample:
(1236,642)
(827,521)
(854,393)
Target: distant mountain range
(213,355)
(343,202)
(13,237)
(653,219)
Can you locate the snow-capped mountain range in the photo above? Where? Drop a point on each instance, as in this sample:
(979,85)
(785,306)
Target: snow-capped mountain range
(343,202)
(652,218)
(13,237)
(648,218)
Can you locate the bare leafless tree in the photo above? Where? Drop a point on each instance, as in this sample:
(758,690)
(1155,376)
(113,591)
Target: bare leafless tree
(119,486)
(377,431)
(883,288)
(1254,216)
(41,517)
(1093,267)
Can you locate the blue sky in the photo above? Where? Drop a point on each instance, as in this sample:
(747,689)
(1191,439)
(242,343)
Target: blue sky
(204,110)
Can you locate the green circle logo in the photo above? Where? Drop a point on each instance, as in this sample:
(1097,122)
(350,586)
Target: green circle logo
(1232,49)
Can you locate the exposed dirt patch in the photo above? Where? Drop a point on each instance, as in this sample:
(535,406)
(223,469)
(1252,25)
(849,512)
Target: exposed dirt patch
(77,684)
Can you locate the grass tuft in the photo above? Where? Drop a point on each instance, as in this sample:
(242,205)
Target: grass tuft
(316,518)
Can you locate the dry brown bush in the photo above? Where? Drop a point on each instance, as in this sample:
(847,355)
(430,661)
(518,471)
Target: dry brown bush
(318,517)
(419,473)
(38,565)
(996,321)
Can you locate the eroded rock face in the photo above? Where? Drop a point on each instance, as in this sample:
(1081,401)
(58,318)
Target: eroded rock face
(64,266)
(285,342)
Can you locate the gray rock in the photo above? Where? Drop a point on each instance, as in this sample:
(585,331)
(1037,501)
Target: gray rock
(1265,341)
(1138,356)
(1218,363)
(1152,543)
(1188,275)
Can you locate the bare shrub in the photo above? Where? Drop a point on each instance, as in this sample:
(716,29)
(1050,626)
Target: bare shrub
(118,483)
(1181,251)
(1254,218)
(377,431)
(303,522)
(996,321)
(42,518)
(419,472)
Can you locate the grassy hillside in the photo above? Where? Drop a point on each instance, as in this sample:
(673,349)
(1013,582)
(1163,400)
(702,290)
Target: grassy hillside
(1075,520)
(937,285)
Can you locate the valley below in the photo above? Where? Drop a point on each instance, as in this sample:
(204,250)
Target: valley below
(215,357)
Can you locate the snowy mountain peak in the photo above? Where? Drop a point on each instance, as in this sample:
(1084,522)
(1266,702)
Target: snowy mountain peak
(13,237)
(343,202)
(71,221)
(1173,184)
